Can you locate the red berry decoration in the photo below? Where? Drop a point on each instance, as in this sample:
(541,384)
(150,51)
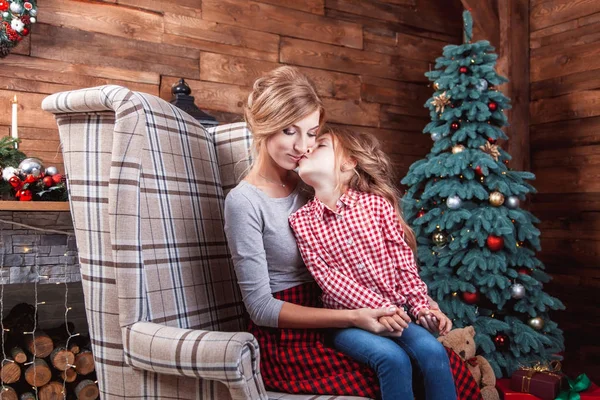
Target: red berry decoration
(454,126)
(57,178)
(478,171)
(501,341)
(25,195)
(48,181)
(15,182)
(30,179)
(524,270)
(495,243)
(25,32)
(492,140)
(463,70)
(471,298)
(493,106)
(421,213)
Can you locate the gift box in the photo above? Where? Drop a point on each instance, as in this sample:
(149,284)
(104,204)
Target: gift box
(544,384)
(506,393)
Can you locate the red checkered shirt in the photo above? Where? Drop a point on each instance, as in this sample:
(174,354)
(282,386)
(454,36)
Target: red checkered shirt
(357,253)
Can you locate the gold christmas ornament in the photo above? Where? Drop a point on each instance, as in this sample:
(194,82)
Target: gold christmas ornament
(439,238)
(491,149)
(536,323)
(440,102)
(459,148)
(496,199)
(436,86)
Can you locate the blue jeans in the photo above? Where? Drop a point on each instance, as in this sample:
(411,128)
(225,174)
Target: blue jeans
(391,359)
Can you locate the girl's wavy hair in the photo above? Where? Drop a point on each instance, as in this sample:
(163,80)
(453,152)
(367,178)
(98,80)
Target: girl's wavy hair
(373,172)
(278,100)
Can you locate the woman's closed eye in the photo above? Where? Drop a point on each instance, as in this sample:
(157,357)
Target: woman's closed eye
(289,131)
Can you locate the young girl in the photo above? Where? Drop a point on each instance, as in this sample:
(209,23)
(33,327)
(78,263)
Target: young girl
(361,253)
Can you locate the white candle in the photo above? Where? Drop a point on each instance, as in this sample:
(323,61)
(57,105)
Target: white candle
(13,130)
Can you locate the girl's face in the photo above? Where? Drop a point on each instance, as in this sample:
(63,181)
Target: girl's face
(319,165)
(287,147)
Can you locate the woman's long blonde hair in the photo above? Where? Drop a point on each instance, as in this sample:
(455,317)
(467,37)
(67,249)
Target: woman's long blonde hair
(373,171)
(278,100)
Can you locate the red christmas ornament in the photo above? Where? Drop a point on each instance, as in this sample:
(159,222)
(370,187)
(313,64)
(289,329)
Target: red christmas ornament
(454,126)
(57,178)
(421,213)
(48,181)
(495,243)
(501,341)
(25,32)
(524,270)
(492,106)
(492,141)
(4,5)
(30,179)
(463,70)
(478,171)
(25,195)
(15,182)
(471,298)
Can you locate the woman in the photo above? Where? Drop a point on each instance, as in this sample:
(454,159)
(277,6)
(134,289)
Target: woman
(285,115)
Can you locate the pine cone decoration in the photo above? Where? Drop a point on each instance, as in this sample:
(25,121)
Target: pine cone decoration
(4,49)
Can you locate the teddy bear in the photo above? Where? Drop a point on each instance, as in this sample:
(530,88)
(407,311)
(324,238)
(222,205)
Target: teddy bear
(462,341)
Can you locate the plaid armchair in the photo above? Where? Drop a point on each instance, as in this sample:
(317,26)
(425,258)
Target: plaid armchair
(146,188)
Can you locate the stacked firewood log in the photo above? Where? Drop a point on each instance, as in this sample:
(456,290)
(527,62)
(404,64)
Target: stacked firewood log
(44,363)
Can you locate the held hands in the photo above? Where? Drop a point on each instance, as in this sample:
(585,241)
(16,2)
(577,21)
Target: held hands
(395,324)
(371,320)
(434,320)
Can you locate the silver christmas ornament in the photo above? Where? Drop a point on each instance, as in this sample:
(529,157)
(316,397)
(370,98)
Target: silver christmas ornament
(481,85)
(454,202)
(517,291)
(29,164)
(16,8)
(536,323)
(36,172)
(5,14)
(33,12)
(435,136)
(51,170)
(33,20)
(513,202)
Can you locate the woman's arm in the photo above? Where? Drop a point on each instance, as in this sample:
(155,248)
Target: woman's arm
(295,316)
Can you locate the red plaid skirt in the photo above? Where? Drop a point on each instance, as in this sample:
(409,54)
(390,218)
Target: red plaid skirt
(299,361)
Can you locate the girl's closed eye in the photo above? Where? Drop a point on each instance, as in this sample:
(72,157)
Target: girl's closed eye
(289,131)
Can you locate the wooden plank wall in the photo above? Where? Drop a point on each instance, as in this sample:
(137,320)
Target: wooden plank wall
(565,156)
(367,58)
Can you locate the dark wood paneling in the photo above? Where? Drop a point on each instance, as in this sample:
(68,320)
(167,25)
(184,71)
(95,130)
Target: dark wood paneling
(565,156)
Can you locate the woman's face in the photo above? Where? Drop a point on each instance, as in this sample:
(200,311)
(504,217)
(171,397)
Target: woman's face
(319,165)
(287,147)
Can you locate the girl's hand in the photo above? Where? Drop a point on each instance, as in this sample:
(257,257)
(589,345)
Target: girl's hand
(435,321)
(368,319)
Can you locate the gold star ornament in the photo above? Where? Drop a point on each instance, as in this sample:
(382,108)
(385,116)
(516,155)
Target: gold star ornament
(440,102)
(491,149)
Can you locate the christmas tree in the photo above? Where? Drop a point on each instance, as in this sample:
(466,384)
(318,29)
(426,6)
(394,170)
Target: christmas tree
(476,245)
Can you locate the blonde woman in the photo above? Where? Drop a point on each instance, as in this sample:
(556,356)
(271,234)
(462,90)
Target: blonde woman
(285,116)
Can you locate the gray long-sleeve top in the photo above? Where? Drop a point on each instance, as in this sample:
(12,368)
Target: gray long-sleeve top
(264,251)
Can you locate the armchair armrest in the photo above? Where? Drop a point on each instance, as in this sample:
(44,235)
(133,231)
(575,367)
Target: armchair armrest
(228,357)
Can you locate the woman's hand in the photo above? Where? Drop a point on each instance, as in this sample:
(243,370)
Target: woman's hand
(369,319)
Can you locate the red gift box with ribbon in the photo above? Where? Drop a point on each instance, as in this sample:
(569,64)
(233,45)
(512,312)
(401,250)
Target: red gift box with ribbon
(543,381)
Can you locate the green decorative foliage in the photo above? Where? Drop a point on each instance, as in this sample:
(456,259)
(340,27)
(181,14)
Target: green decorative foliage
(491,241)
